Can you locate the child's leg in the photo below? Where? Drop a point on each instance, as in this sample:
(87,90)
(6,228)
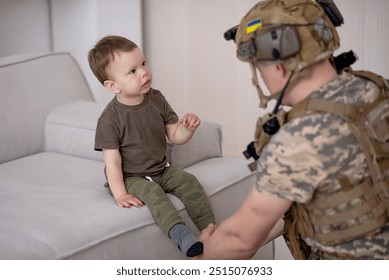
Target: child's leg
(188,189)
(164,213)
(160,207)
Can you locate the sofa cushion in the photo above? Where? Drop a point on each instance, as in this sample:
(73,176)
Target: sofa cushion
(70,129)
(54,206)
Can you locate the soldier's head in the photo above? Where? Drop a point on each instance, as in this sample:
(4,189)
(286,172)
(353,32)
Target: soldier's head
(294,33)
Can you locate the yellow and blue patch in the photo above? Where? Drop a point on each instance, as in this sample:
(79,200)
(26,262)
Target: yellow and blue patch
(253,25)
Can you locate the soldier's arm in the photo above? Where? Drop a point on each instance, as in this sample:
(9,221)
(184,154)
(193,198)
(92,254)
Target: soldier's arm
(241,235)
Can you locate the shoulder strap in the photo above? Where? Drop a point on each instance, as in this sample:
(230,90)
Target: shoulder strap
(377,79)
(348,112)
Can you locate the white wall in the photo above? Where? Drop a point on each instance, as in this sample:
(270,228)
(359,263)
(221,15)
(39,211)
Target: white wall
(77,25)
(194,66)
(197,70)
(67,25)
(24,26)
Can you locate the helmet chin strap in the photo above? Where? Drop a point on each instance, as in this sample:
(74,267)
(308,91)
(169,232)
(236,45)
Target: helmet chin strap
(264,99)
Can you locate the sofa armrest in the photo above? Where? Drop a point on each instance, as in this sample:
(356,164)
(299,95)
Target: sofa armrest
(206,143)
(32,85)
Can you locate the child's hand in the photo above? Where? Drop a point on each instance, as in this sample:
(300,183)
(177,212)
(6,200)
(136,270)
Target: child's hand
(190,121)
(128,200)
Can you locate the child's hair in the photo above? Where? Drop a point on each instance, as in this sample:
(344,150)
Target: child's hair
(103,53)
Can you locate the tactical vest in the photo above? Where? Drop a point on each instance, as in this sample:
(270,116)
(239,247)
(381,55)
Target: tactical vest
(356,210)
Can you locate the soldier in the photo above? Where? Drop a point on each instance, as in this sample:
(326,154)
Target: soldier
(319,167)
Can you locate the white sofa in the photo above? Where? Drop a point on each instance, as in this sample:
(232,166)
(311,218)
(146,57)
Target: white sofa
(52,201)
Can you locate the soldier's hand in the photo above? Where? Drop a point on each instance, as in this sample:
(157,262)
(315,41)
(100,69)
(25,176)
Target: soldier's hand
(206,233)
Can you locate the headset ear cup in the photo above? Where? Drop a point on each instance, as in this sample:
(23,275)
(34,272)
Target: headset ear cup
(275,52)
(290,42)
(277,44)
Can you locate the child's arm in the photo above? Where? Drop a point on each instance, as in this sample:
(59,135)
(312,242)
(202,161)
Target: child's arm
(113,165)
(182,131)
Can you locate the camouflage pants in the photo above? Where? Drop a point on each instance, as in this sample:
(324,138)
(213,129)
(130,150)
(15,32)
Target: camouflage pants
(179,183)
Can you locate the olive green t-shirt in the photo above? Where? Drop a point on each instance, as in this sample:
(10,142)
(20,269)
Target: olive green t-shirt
(138,132)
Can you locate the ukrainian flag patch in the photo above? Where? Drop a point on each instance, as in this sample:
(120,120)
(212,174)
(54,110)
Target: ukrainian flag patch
(253,25)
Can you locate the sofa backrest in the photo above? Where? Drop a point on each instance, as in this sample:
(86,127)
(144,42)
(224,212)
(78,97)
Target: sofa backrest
(70,129)
(31,86)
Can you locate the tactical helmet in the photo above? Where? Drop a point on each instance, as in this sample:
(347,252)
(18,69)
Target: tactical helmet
(296,33)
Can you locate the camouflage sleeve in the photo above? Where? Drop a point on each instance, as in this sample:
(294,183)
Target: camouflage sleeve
(288,166)
(305,153)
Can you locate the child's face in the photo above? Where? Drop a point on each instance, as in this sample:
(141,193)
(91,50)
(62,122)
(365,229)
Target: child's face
(130,76)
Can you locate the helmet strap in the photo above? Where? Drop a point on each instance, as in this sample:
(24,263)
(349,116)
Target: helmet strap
(264,99)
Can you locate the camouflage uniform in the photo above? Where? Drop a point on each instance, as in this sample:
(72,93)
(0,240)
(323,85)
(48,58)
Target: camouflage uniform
(307,155)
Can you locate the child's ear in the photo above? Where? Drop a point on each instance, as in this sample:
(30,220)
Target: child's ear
(111,86)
